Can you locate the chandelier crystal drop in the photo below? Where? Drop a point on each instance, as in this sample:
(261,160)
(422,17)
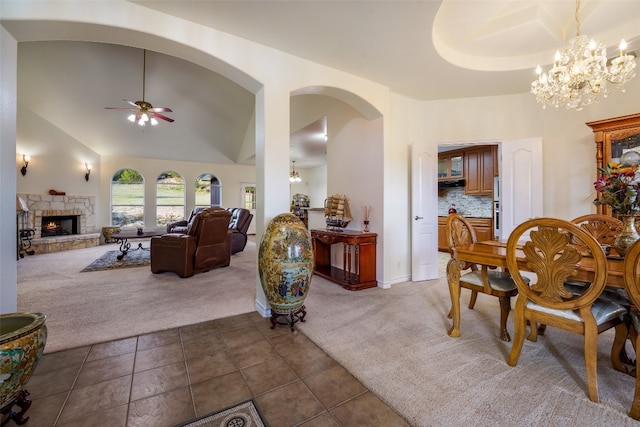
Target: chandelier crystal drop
(581,75)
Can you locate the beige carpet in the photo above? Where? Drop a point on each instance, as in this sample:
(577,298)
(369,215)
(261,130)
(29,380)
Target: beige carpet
(96,306)
(393,340)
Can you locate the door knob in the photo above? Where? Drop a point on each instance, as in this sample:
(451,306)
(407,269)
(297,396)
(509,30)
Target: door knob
(418,217)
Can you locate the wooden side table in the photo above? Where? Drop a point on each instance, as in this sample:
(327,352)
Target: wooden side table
(358,258)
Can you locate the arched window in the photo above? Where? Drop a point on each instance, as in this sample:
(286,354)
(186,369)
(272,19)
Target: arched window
(169,197)
(127,199)
(208,191)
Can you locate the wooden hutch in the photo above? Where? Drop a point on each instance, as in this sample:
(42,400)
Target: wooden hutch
(613,138)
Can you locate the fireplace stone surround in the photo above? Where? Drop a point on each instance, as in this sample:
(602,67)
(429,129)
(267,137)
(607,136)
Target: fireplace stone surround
(44,205)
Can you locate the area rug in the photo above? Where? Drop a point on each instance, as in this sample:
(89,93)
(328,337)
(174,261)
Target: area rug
(244,414)
(109,261)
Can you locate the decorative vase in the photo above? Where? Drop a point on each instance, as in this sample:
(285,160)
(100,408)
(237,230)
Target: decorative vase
(285,265)
(366,226)
(22,340)
(628,236)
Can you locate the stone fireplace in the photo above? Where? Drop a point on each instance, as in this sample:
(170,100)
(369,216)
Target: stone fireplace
(61,222)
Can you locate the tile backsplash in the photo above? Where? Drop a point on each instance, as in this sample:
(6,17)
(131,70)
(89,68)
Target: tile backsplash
(476,206)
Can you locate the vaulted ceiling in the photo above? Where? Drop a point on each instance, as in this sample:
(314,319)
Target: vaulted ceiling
(427,50)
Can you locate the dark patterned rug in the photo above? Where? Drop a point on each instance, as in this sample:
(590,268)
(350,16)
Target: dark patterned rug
(244,414)
(109,261)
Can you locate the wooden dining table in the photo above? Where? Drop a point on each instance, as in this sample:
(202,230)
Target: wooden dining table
(493,253)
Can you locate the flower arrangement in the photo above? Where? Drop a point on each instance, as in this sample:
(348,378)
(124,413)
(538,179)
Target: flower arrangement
(618,186)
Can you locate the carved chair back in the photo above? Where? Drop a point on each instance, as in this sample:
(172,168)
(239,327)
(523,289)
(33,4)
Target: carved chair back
(603,228)
(460,232)
(553,256)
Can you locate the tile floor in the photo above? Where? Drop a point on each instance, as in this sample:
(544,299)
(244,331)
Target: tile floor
(170,377)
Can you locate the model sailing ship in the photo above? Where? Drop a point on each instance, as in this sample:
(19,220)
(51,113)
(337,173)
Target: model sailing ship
(337,212)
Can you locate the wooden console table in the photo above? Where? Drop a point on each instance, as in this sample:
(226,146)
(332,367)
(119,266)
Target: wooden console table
(358,258)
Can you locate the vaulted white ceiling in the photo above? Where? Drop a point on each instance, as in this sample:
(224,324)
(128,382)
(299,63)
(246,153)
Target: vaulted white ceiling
(426,50)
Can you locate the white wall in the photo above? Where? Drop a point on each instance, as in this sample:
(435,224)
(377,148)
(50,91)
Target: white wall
(8,100)
(317,186)
(57,159)
(405,125)
(313,183)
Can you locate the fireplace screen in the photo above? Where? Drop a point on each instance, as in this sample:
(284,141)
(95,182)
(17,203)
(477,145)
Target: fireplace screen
(59,225)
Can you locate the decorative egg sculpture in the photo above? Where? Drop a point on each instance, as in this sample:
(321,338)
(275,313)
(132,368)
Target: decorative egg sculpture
(285,264)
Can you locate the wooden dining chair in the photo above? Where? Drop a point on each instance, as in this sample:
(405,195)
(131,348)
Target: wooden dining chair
(549,252)
(632,284)
(480,278)
(603,228)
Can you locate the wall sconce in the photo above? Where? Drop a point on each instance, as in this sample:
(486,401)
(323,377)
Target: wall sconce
(86,175)
(25,159)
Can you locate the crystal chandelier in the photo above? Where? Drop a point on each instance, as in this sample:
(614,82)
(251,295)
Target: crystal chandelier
(294,176)
(580,74)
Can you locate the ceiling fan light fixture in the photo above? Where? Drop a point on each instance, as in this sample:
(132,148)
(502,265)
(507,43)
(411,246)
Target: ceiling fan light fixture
(580,74)
(143,110)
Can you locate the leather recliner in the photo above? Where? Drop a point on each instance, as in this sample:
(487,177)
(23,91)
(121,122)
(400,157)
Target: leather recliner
(239,225)
(181,226)
(206,245)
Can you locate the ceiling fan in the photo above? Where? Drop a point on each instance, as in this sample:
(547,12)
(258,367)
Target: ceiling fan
(142,111)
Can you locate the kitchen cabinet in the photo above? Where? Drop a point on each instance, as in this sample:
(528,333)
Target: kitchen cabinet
(479,170)
(482,226)
(442,234)
(613,137)
(450,165)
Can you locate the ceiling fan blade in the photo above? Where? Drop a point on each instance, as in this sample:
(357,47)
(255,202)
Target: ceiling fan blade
(132,103)
(162,110)
(160,116)
(120,108)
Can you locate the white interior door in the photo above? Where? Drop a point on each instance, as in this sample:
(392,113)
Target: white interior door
(248,201)
(521,182)
(424,213)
